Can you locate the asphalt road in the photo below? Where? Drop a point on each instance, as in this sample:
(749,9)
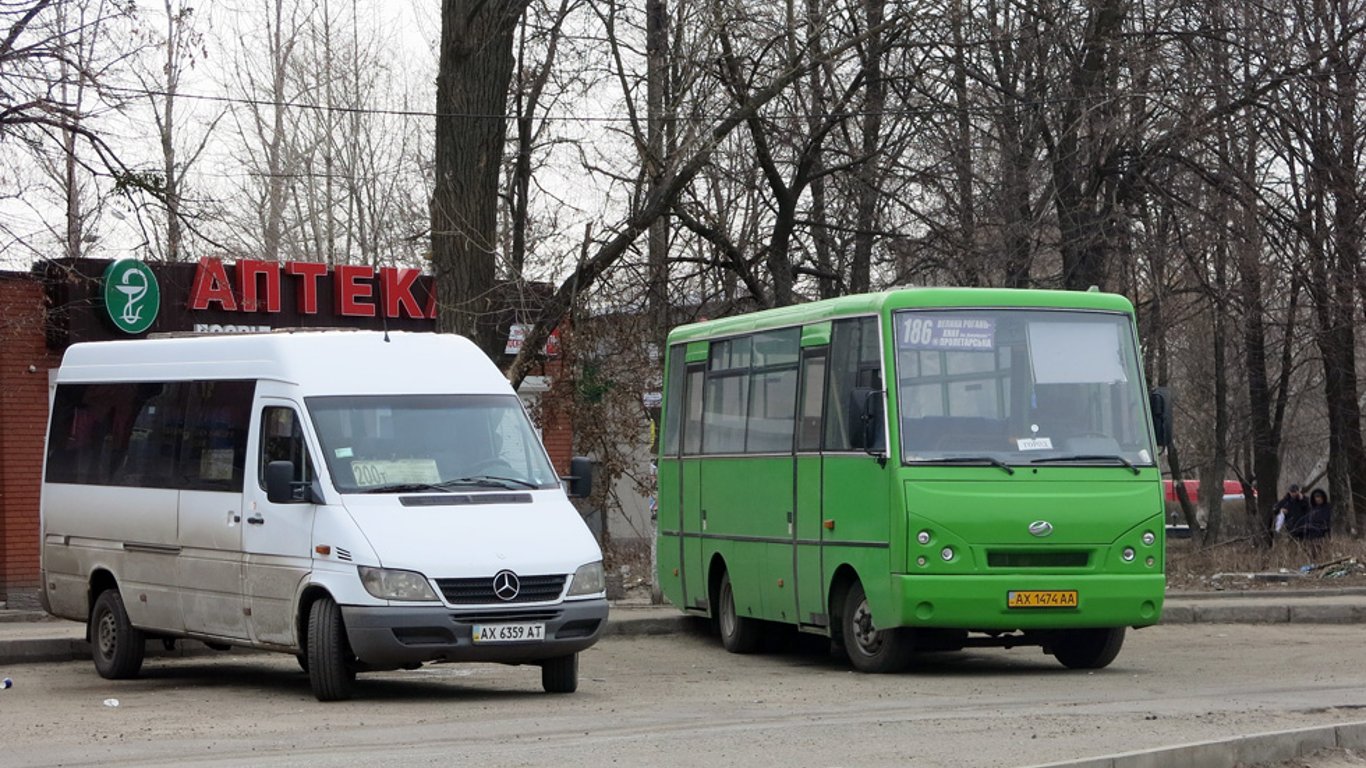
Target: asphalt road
(681,700)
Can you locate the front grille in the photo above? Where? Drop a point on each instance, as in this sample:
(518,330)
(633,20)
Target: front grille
(479,591)
(489,617)
(1026,559)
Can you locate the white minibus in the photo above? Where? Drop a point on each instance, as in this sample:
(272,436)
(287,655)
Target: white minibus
(365,501)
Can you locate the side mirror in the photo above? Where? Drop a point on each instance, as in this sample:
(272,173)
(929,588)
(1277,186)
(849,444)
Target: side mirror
(865,420)
(580,477)
(1160,400)
(280,483)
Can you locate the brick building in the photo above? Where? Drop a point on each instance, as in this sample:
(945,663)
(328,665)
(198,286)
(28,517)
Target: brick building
(63,302)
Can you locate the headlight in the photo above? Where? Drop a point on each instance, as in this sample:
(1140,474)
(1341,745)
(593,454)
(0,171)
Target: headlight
(391,584)
(587,580)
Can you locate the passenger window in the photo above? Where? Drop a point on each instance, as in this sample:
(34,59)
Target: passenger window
(855,361)
(772,411)
(673,409)
(723,413)
(692,419)
(282,439)
(213,454)
(813,395)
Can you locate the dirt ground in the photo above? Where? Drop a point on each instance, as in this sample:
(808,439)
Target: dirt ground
(682,701)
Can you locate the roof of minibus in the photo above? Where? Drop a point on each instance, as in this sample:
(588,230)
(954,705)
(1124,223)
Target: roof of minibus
(321,362)
(900,298)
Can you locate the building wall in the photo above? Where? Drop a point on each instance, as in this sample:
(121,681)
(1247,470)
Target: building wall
(24,364)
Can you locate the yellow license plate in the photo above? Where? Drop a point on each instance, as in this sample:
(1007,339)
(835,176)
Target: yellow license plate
(1042,598)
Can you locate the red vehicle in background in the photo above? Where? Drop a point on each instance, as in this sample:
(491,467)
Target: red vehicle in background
(1176,525)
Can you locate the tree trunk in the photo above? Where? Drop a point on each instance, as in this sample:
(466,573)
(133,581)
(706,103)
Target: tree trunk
(473,75)
(868,189)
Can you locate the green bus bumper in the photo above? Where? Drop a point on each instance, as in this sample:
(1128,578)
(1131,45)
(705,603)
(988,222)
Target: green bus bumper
(979,602)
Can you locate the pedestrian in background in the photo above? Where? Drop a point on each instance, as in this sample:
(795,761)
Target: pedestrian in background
(1318,523)
(1293,509)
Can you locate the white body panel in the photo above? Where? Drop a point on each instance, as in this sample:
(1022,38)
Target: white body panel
(231,566)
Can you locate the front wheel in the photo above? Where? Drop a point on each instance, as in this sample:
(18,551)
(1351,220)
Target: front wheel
(870,649)
(1088,648)
(119,647)
(560,674)
(330,671)
(739,634)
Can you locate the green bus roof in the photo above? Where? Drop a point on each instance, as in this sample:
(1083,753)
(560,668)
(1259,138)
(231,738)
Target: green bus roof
(898,298)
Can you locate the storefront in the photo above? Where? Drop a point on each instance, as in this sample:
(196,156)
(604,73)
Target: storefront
(64,302)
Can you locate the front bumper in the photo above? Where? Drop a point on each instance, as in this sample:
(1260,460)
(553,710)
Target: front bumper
(390,637)
(979,602)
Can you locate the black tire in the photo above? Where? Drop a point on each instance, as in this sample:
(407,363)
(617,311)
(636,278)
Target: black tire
(1088,648)
(302,658)
(115,644)
(330,668)
(739,634)
(872,650)
(560,674)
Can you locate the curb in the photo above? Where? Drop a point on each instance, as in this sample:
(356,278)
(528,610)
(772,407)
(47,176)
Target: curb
(1256,748)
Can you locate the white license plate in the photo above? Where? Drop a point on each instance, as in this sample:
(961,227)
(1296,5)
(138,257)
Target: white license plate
(508,633)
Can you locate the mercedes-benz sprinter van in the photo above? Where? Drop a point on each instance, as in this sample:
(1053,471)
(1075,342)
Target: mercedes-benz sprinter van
(365,501)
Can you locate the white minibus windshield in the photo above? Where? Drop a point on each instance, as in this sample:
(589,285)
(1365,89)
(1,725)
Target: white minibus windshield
(429,443)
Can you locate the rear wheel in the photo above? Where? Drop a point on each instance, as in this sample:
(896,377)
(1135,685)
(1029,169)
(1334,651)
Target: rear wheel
(1088,648)
(330,668)
(869,649)
(560,674)
(739,634)
(118,646)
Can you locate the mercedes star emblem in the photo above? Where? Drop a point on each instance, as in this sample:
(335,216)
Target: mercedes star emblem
(506,585)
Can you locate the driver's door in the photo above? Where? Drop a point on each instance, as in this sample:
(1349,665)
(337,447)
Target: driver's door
(277,539)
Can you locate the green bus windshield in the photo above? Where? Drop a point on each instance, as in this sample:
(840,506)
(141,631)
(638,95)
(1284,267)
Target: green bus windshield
(1020,386)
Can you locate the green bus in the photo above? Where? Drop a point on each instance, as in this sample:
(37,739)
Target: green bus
(920,469)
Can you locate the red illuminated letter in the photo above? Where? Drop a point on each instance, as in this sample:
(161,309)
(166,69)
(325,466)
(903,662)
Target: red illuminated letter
(247,273)
(431,301)
(210,285)
(396,286)
(353,284)
(308,273)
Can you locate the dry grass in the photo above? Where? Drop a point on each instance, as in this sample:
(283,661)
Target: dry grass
(1191,566)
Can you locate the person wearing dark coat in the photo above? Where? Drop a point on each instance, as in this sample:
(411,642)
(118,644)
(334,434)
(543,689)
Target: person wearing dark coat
(1318,523)
(1296,509)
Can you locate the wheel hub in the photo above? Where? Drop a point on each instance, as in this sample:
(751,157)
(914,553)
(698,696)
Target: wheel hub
(107,634)
(866,637)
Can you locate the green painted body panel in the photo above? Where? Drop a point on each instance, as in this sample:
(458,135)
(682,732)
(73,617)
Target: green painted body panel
(816,334)
(886,302)
(669,559)
(694,588)
(810,533)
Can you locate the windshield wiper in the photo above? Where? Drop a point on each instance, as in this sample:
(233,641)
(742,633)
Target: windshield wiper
(404,488)
(969,460)
(488,481)
(1090,457)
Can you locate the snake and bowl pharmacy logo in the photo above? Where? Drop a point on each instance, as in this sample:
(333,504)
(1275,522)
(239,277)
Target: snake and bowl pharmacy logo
(131,295)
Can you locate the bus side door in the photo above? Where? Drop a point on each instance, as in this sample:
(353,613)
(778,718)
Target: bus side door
(806,531)
(690,503)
